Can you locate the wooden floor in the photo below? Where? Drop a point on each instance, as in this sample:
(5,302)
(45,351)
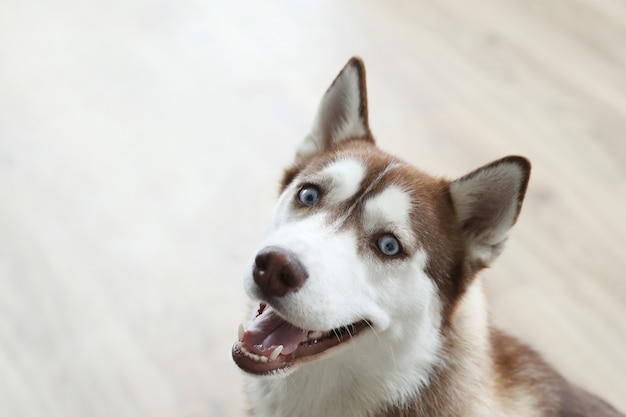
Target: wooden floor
(141,143)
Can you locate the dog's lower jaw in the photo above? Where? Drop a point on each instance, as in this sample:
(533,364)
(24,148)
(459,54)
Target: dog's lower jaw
(355,380)
(386,376)
(385,365)
(329,387)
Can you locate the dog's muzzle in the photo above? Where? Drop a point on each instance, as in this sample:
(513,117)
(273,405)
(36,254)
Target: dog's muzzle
(270,343)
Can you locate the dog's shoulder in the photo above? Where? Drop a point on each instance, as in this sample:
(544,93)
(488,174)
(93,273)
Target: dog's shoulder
(576,402)
(519,368)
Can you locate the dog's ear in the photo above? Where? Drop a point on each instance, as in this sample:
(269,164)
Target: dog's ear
(342,113)
(487,202)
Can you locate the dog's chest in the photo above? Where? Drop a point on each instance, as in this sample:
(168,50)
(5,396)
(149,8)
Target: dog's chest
(339,388)
(281,400)
(326,391)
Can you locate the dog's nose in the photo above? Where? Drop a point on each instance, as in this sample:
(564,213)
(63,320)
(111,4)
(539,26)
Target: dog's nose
(277,271)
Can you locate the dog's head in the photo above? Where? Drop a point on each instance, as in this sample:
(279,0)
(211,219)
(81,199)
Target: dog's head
(365,249)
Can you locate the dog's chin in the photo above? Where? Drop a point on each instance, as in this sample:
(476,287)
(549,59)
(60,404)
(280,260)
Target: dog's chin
(271,345)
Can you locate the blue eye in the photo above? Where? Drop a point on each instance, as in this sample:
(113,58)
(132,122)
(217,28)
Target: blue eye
(308,195)
(388,245)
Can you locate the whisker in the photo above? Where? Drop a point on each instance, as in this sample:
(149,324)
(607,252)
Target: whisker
(337,335)
(352,338)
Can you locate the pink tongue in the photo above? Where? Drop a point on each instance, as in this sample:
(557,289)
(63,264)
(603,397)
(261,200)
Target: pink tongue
(268,331)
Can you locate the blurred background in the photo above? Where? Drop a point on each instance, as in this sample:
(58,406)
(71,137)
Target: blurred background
(141,143)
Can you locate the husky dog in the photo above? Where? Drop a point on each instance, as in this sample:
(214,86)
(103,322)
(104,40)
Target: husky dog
(368,303)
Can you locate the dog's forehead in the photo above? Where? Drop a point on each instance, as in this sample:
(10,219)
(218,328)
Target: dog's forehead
(344,177)
(392,206)
(370,188)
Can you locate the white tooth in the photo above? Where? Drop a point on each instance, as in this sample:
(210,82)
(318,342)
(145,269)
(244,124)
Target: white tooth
(264,359)
(276,352)
(241,331)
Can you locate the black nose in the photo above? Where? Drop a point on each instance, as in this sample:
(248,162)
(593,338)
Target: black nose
(277,271)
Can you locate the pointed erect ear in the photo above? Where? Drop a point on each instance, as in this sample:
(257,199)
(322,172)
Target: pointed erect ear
(487,203)
(342,113)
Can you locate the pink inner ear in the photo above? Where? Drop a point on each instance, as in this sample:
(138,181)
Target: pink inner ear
(489,199)
(342,113)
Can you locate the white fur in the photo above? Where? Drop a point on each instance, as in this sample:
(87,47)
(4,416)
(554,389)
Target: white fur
(344,176)
(365,193)
(389,211)
(471,323)
(386,365)
(473,364)
(394,361)
(391,207)
(383,365)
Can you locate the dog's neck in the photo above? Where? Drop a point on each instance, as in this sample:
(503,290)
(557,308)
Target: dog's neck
(484,373)
(465,377)
(397,381)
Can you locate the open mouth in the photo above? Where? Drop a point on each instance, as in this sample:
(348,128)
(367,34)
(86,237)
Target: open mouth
(271,344)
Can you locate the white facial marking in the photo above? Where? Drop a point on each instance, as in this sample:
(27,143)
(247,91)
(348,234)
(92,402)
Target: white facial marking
(365,192)
(390,206)
(396,297)
(402,304)
(345,176)
(390,211)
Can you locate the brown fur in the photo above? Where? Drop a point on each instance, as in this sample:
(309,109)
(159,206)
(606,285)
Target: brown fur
(514,369)
(519,374)
(484,371)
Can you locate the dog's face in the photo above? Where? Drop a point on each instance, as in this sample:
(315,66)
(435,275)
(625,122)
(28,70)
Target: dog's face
(351,225)
(364,249)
